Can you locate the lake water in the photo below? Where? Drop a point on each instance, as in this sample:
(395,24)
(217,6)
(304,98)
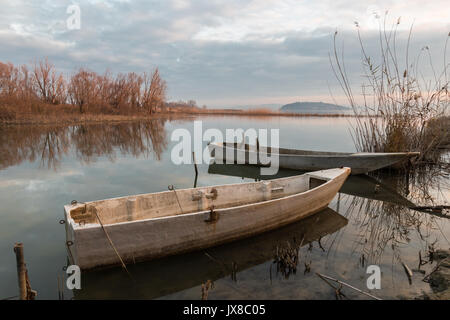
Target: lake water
(42,168)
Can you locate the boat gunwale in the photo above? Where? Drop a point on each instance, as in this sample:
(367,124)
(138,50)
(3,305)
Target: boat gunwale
(87,226)
(323,154)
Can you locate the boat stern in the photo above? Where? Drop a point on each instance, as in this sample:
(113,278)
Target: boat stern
(70,234)
(331,174)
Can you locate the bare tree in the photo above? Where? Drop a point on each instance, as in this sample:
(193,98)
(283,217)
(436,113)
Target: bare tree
(118,88)
(50,85)
(57,89)
(81,89)
(40,86)
(15,84)
(26,85)
(42,73)
(134,90)
(8,80)
(154,91)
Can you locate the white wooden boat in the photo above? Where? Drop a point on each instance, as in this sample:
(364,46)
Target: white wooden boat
(148,226)
(360,162)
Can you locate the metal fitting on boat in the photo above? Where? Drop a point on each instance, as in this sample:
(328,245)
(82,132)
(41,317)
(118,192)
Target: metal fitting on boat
(212,194)
(212,216)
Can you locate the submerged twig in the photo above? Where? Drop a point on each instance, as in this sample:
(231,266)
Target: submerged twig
(337,291)
(427,277)
(433,210)
(408,272)
(324,277)
(208,285)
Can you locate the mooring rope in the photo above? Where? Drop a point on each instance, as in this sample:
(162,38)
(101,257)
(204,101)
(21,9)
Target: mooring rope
(74,202)
(172,188)
(112,244)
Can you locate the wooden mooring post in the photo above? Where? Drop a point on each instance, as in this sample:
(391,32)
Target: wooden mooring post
(196,170)
(195,163)
(25,292)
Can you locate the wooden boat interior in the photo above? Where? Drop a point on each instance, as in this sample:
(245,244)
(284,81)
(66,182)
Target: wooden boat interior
(185,201)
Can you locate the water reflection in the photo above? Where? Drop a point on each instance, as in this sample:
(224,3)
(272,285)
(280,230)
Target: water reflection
(386,225)
(376,208)
(49,144)
(386,211)
(173,274)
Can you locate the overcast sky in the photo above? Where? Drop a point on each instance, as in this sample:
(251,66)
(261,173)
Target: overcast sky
(219,53)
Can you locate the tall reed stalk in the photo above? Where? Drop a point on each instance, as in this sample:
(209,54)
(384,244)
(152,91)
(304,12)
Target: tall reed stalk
(398,109)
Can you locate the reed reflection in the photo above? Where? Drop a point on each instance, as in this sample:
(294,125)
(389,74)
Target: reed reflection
(391,212)
(419,218)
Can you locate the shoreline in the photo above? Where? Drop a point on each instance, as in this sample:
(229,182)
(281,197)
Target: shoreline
(66,119)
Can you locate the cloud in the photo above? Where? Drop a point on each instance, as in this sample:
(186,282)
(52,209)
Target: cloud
(216,52)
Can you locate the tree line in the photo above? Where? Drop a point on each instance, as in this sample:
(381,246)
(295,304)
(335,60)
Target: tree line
(28,89)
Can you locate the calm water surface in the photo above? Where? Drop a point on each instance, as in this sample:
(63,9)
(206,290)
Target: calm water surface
(42,168)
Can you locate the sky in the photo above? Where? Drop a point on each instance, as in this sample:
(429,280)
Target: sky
(219,53)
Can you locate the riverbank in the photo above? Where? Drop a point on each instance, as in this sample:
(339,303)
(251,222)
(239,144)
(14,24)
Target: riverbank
(71,119)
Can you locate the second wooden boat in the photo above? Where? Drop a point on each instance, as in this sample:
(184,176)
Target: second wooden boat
(148,226)
(360,162)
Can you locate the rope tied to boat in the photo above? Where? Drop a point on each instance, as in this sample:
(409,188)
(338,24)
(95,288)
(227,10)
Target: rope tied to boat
(70,243)
(172,188)
(112,245)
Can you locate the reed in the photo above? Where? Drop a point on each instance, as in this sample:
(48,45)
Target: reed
(399,109)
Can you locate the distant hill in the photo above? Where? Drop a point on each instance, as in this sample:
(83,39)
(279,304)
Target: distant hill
(314,107)
(271,106)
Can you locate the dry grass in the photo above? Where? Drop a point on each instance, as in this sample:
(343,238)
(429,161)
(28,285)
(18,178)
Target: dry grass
(262,112)
(49,114)
(401,110)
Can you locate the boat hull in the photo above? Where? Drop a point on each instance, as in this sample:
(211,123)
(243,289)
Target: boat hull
(158,237)
(359,163)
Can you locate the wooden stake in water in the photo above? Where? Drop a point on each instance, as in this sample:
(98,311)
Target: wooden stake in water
(21,271)
(195,163)
(25,292)
(196,170)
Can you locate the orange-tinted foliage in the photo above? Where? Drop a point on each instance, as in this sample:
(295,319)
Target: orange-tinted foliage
(42,90)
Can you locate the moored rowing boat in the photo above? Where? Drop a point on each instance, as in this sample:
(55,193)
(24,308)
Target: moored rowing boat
(148,226)
(360,162)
